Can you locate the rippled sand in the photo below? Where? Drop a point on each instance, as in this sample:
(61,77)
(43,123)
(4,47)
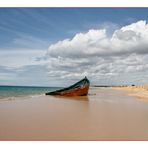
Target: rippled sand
(106,114)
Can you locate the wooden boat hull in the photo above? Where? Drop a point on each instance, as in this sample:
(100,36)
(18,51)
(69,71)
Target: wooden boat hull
(78,89)
(77,92)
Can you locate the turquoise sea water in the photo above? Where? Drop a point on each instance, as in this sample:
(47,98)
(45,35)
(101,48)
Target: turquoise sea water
(20,91)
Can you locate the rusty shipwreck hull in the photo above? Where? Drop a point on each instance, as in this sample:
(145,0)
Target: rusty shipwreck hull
(78,89)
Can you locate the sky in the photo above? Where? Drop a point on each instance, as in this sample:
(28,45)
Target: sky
(59,46)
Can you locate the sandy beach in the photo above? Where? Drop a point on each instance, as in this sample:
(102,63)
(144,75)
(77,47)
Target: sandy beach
(140,92)
(105,114)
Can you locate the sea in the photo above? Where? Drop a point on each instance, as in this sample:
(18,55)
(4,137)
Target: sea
(11,92)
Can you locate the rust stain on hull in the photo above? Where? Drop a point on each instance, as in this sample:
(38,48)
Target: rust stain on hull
(78,92)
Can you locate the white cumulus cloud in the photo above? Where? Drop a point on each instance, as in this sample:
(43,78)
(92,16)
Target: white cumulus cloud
(121,57)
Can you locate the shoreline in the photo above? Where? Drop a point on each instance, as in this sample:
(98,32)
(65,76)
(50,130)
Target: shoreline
(105,114)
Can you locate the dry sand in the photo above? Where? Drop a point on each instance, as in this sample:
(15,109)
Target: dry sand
(141,92)
(106,114)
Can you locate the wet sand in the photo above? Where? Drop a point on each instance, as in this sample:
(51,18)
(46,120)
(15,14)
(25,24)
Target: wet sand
(106,114)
